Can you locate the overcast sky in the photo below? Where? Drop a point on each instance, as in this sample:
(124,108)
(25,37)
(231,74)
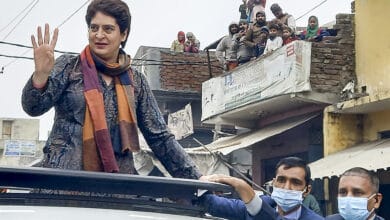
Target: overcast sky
(154,23)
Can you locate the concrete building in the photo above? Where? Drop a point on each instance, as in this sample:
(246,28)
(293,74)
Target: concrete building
(357,130)
(176,80)
(19,144)
(277,101)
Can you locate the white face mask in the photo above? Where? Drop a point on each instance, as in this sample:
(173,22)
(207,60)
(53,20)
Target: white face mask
(354,208)
(287,199)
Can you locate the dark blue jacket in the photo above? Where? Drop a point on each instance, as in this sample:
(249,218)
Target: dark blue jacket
(339,217)
(235,209)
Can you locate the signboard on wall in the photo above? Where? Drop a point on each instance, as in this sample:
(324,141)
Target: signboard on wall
(285,71)
(19,148)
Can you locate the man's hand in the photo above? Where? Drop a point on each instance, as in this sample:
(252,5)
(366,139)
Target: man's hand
(244,190)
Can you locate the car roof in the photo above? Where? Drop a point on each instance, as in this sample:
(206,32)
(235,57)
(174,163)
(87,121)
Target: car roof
(75,213)
(103,191)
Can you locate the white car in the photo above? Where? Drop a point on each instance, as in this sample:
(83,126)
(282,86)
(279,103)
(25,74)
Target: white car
(41,193)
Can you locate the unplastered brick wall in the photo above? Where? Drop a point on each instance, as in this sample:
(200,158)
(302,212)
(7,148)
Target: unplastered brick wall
(186,71)
(333,59)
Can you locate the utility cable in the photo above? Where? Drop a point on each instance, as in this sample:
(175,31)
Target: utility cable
(13,19)
(311,9)
(70,16)
(161,63)
(153,62)
(62,23)
(30,47)
(17,24)
(16,57)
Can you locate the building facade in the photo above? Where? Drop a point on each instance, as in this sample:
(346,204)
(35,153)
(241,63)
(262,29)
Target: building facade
(176,80)
(19,142)
(357,129)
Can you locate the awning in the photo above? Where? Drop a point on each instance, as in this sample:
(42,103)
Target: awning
(371,156)
(229,144)
(145,161)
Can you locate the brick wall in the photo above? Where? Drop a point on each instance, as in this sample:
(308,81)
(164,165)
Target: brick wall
(186,71)
(333,59)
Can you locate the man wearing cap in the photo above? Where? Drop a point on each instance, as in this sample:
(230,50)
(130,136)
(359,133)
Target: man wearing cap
(253,36)
(358,196)
(282,18)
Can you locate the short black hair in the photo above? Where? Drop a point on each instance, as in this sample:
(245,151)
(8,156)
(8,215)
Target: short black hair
(275,7)
(274,26)
(117,9)
(260,12)
(290,162)
(285,27)
(370,175)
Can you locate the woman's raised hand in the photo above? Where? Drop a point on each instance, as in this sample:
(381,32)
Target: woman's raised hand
(43,54)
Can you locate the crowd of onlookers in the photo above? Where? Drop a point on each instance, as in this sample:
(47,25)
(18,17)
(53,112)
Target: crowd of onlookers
(254,35)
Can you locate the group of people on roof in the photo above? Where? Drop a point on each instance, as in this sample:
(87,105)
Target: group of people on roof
(190,45)
(254,36)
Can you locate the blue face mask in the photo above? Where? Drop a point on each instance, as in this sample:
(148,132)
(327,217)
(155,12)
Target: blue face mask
(354,208)
(287,199)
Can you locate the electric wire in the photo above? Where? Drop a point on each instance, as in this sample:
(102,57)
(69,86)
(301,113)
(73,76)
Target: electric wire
(13,19)
(17,57)
(30,47)
(70,16)
(312,9)
(145,61)
(62,23)
(20,21)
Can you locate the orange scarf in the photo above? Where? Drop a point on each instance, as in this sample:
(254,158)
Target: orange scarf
(98,153)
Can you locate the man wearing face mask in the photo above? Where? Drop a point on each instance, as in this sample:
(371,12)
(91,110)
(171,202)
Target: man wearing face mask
(358,196)
(291,181)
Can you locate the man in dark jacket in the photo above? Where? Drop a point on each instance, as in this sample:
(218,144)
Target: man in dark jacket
(358,196)
(254,37)
(291,181)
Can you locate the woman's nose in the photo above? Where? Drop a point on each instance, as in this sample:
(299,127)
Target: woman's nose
(100,33)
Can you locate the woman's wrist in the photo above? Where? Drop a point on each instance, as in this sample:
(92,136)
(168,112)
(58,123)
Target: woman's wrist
(39,80)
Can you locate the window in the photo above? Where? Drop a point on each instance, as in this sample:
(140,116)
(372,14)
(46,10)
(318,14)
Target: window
(7,129)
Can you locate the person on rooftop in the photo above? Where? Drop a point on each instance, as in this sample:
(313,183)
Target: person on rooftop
(288,35)
(192,44)
(178,44)
(254,37)
(274,41)
(224,52)
(282,18)
(240,50)
(254,6)
(313,32)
